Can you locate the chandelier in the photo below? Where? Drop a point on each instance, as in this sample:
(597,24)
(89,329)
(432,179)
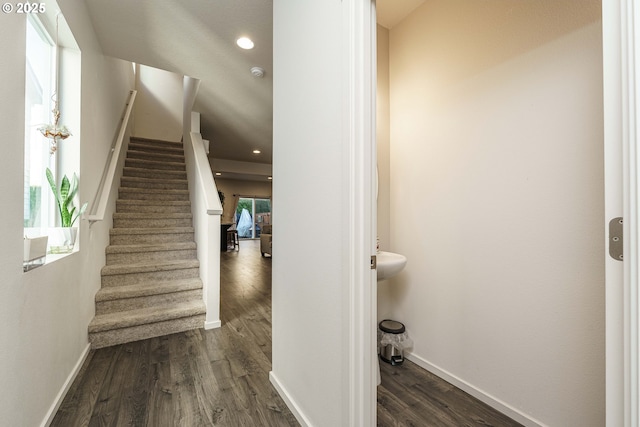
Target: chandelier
(54,132)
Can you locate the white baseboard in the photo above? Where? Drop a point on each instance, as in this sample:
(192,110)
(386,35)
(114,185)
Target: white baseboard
(291,404)
(490,400)
(65,388)
(212,324)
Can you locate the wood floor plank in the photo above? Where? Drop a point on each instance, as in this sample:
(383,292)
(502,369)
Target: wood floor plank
(186,409)
(105,411)
(160,395)
(135,393)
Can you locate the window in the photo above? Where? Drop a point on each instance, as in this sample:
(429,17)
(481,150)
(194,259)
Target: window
(251,215)
(52,73)
(40,78)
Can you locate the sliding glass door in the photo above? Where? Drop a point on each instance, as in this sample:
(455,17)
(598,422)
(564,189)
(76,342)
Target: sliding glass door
(252,214)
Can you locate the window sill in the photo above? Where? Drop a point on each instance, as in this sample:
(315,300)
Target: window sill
(48,259)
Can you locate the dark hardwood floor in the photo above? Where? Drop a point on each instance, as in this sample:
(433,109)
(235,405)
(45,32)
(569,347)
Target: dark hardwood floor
(412,396)
(220,377)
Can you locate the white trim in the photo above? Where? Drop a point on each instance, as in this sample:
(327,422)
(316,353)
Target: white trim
(358,23)
(613,165)
(630,95)
(65,388)
(621,48)
(212,324)
(290,402)
(479,394)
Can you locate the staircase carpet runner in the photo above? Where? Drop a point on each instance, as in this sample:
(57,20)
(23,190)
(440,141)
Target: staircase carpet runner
(150,283)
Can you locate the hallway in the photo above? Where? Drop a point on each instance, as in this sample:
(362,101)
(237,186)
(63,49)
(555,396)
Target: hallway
(220,377)
(195,378)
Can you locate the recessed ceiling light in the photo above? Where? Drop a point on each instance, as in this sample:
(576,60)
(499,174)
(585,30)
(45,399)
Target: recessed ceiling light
(245,43)
(269,177)
(218,174)
(256,151)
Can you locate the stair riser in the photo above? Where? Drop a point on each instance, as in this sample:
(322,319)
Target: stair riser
(150,173)
(135,278)
(136,257)
(136,333)
(157,143)
(156,149)
(143,164)
(151,223)
(156,157)
(105,307)
(160,185)
(141,195)
(135,239)
(128,208)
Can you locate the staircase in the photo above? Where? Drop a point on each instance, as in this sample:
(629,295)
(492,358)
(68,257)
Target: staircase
(150,283)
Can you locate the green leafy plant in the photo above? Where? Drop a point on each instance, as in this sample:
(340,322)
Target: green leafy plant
(64,198)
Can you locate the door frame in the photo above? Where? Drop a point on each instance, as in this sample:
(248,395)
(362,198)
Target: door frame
(621,50)
(359,101)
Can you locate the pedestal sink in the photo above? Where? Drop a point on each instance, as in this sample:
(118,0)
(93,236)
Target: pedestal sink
(389,264)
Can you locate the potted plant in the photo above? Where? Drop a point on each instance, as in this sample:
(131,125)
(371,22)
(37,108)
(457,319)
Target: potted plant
(64,238)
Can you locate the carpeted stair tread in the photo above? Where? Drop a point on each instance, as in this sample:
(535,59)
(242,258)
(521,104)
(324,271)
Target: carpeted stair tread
(154,164)
(130,171)
(157,156)
(151,202)
(152,215)
(147,315)
(154,206)
(152,190)
(143,230)
(147,267)
(147,289)
(176,144)
(151,220)
(144,182)
(158,247)
(162,148)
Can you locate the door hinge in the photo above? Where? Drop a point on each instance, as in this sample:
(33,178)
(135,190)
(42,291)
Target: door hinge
(374,262)
(615,239)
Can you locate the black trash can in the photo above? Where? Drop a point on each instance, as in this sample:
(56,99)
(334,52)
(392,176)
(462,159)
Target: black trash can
(391,353)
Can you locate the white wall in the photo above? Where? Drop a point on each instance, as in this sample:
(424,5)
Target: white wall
(307,174)
(43,322)
(497,201)
(383,150)
(158,107)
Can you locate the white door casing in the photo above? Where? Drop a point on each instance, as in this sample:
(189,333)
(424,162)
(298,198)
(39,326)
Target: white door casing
(621,47)
(359,59)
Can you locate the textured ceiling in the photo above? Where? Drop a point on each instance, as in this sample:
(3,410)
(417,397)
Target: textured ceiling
(197,38)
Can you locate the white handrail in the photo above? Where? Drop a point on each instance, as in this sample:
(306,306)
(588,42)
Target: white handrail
(203,169)
(102,196)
